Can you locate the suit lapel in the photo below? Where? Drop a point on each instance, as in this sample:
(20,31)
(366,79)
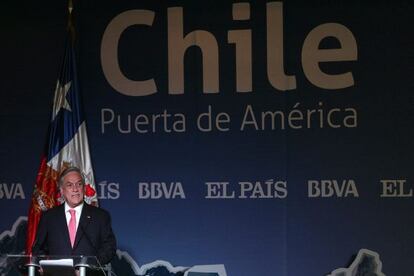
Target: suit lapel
(83,224)
(62,224)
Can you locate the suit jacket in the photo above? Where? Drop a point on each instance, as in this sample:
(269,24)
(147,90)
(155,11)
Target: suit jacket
(94,236)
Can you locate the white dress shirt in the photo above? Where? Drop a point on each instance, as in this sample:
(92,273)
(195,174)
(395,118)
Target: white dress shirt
(78,212)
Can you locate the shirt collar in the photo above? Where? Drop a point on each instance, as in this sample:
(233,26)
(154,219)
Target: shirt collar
(78,208)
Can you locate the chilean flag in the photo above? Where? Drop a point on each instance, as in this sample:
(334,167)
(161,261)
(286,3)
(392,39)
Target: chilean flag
(67,145)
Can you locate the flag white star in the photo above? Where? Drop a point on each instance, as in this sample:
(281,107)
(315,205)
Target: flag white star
(60,101)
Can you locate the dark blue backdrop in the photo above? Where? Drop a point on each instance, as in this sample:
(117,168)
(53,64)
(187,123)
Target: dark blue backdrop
(293,234)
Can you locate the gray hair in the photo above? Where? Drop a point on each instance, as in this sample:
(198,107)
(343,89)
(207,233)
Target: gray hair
(67,171)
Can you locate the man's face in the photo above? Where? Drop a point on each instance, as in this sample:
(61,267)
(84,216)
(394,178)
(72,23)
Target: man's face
(72,189)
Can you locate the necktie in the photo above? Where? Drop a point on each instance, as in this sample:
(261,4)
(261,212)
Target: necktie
(72,226)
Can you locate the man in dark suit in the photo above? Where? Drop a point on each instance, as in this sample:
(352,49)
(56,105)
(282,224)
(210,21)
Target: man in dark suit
(75,228)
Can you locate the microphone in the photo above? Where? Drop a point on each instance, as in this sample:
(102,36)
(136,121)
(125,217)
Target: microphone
(37,247)
(35,244)
(97,266)
(88,238)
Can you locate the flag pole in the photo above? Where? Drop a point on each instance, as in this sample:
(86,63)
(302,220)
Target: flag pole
(71,26)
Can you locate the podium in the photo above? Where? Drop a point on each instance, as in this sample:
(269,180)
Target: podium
(49,265)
